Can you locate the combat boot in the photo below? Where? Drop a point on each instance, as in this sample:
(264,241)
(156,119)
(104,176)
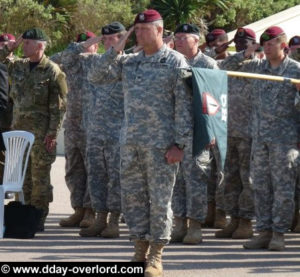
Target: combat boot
(97,227)
(210,218)
(179,229)
(88,218)
(194,233)
(112,229)
(141,250)
(74,219)
(297,227)
(154,266)
(244,231)
(229,229)
(220,219)
(261,241)
(277,242)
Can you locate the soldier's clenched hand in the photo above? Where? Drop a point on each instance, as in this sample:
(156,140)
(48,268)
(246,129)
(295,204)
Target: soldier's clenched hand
(174,155)
(50,143)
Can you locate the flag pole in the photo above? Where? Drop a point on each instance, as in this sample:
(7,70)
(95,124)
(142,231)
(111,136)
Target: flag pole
(261,77)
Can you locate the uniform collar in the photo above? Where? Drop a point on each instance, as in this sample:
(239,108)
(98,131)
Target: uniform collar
(280,69)
(155,57)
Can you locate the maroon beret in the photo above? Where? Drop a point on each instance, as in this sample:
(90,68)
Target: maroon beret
(294,41)
(147,16)
(270,33)
(214,34)
(7,37)
(85,36)
(245,33)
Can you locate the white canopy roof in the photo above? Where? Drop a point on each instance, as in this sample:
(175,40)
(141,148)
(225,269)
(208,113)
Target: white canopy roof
(288,20)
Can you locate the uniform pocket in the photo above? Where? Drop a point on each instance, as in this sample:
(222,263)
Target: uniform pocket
(40,92)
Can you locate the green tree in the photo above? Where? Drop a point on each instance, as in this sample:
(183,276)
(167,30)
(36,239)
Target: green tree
(242,12)
(17,16)
(176,12)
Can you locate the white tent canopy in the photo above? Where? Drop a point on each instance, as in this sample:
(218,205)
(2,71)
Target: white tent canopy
(288,20)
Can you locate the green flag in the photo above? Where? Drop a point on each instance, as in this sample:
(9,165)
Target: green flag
(210,110)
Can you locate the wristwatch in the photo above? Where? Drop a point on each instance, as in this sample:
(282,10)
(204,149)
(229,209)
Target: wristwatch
(179,146)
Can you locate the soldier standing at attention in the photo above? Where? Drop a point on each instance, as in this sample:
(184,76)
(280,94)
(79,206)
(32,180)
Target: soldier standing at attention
(38,91)
(156,127)
(190,191)
(238,194)
(275,134)
(104,107)
(74,136)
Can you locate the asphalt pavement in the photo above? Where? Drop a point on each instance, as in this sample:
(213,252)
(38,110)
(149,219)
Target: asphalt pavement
(213,258)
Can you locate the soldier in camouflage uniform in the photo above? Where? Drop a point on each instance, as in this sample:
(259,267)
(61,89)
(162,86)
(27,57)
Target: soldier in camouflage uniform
(190,191)
(238,194)
(294,45)
(275,133)
(38,91)
(157,124)
(104,113)
(74,135)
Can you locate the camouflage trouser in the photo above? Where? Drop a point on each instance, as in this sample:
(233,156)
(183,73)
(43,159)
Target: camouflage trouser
(103,164)
(274,181)
(76,176)
(215,189)
(147,184)
(297,191)
(38,190)
(238,195)
(190,191)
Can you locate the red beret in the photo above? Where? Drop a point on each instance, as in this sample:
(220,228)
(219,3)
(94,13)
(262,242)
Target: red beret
(218,32)
(270,33)
(84,36)
(294,41)
(7,37)
(214,34)
(245,33)
(147,16)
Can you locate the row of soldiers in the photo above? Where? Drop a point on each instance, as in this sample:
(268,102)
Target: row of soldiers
(129,134)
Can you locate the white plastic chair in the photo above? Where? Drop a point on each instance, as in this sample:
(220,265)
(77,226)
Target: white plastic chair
(18,145)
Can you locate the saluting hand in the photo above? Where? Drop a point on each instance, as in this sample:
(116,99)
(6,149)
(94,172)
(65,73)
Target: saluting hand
(50,143)
(89,42)
(250,50)
(119,47)
(12,45)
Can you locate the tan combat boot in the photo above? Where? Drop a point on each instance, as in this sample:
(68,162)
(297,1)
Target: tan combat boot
(261,241)
(141,250)
(154,266)
(210,218)
(179,229)
(74,219)
(220,219)
(277,242)
(229,229)
(244,231)
(88,219)
(194,233)
(112,228)
(97,227)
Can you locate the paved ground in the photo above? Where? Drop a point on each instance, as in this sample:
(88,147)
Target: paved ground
(212,258)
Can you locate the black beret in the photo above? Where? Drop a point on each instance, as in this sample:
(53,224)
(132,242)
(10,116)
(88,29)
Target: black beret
(36,34)
(113,28)
(187,28)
